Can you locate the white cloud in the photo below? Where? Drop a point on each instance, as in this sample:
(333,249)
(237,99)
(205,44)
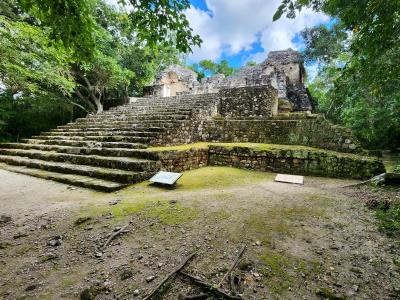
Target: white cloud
(233,26)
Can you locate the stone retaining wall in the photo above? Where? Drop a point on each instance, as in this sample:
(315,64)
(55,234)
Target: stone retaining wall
(301,161)
(314,132)
(178,161)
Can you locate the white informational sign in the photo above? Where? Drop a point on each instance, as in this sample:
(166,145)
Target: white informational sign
(290,178)
(165,177)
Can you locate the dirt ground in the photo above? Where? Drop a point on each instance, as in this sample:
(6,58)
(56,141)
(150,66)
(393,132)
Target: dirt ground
(317,241)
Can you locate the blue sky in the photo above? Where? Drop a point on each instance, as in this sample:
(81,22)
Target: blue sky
(242,30)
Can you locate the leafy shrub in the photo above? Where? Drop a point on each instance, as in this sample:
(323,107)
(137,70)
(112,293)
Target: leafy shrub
(397,168)
(389,219)
(27,116)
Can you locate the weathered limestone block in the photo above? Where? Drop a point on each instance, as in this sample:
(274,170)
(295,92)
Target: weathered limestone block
(303,162)
(259,101)
(313,131)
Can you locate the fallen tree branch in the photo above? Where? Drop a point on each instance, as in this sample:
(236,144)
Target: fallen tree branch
(211,288)
(233,266)
(169,276)
(194,297)
(114,235)
(384,178)
(232,284)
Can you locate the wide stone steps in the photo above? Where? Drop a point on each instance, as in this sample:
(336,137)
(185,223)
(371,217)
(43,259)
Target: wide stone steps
(141,114)
(149,110)
(77,180)
(98,138)
(89,144)
(100,151)
(120,176)
(157,106)
(123,163)
(101,133)
(138,117)
(107,128)
(152,123)
(104,151)
(161,107)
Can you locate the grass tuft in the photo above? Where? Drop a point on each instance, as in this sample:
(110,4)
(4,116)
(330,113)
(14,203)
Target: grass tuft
(389,219)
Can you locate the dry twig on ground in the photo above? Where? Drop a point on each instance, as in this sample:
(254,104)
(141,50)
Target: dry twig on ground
(114,235)
(233,266)
(169,276)
(210,287)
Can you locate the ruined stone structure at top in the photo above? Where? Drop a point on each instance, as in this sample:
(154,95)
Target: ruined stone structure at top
(110,150)
(282,70)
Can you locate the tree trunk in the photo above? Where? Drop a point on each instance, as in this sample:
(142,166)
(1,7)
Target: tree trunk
(97,101)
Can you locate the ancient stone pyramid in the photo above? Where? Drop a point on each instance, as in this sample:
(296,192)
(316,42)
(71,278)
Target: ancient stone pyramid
(104,151)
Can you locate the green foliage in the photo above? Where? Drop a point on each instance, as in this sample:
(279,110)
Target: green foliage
(52,51)
(72,22)
(251,64)
(389,219)
(27,116)
(397,168)
(30,62)
(121,64)
(359,59)
(163,22)
(207,67)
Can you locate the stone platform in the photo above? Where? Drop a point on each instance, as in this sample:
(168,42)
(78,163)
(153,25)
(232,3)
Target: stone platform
(111,150)
(298,160)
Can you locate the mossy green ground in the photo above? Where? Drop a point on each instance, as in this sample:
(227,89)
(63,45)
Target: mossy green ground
(299,239)
(155,202)
(255,146)
(267,224)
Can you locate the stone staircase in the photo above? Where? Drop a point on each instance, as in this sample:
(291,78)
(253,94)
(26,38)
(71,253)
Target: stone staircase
(107,151)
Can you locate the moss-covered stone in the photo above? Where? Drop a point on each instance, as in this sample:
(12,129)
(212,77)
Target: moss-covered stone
(293,159)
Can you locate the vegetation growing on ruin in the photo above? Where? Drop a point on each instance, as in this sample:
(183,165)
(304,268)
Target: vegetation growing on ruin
(58,65)
(252,146)
(358,58)
(207,68)
(389,218)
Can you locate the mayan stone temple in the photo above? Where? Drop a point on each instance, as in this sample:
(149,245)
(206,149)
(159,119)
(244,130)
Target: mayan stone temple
(282,70)
(260,118)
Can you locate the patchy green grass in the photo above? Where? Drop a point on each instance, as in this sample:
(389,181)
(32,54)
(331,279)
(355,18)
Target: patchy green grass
(171,214)
(255,146)
(270,225)
(179,147)
(219,177)
(284,220)
(283,270)
(203,178)
(151,207)
(392,161)
(389,219)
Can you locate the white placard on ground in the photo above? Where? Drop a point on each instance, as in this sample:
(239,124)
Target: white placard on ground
(165,177)
(290,178)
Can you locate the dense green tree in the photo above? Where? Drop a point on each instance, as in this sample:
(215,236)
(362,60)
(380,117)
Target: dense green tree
(359,62)
(81,53)
(30,62)
(121,64)
(73,23)
(207,67)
